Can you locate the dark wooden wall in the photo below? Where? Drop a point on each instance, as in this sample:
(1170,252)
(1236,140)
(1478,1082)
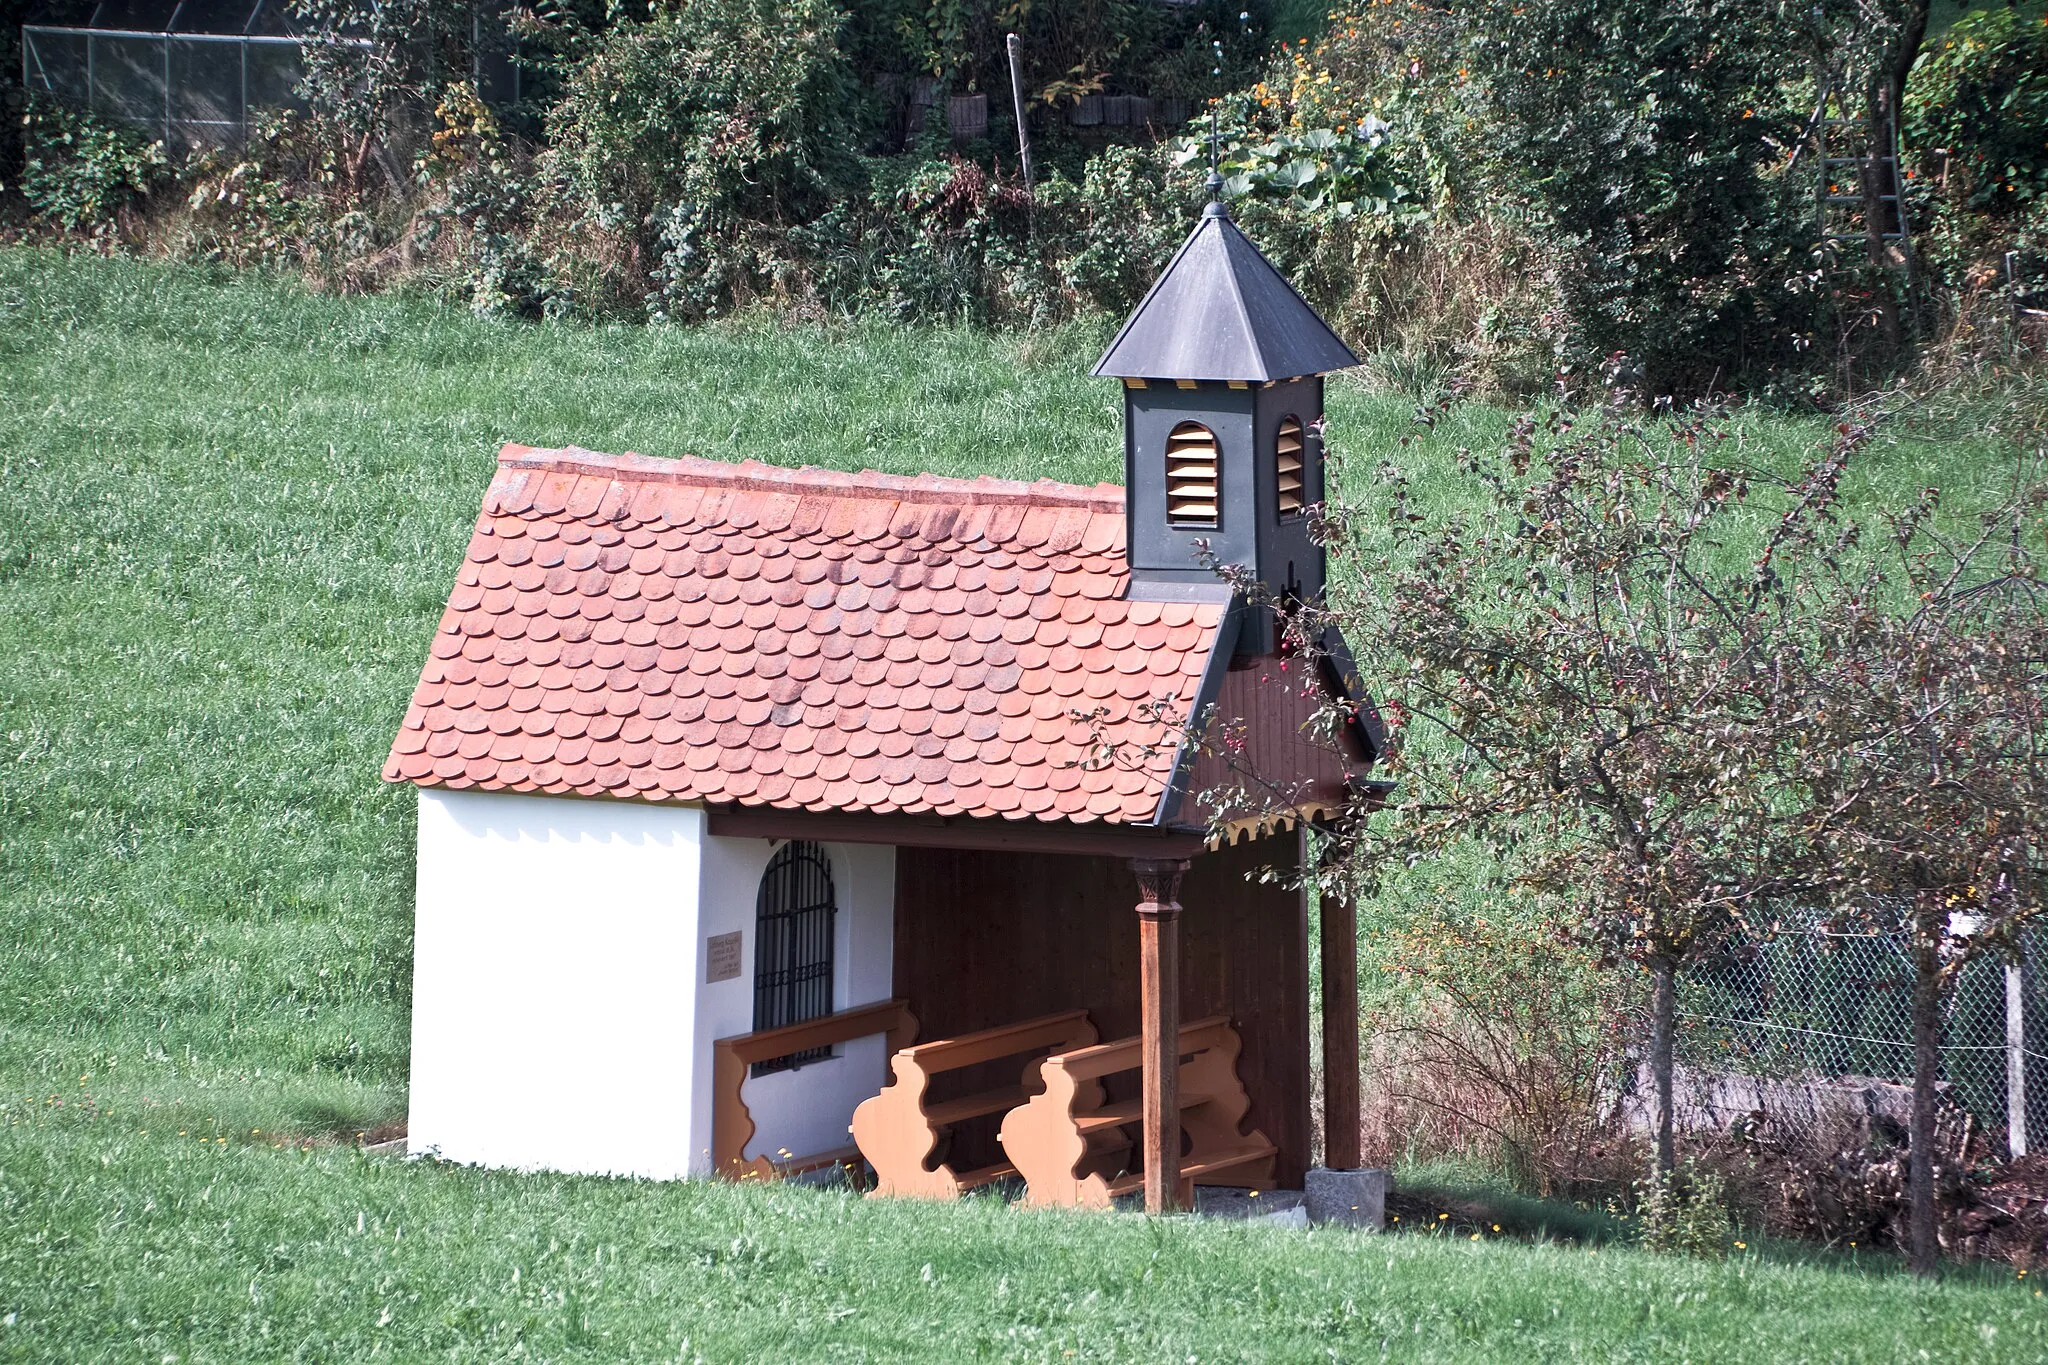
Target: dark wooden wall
(984,939)
(1270,703)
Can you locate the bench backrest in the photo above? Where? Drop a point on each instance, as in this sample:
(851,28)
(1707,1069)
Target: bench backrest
(972,1049)
(1106,1059)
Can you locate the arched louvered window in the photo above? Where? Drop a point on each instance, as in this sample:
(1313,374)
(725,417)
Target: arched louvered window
(1289,453)
(793,924)
(1193,476)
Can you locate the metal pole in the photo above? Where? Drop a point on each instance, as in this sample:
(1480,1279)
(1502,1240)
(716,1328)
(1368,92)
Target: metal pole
(167,90)
(1017,103)
(2015,1060)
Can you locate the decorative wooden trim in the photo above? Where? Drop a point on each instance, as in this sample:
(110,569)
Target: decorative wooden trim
(732,1125)
(1159,884)
(898,1131)
(913,831)
(1066,1142)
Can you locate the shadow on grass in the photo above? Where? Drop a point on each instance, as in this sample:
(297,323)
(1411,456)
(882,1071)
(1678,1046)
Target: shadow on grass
(1456,1202)
(323,1121)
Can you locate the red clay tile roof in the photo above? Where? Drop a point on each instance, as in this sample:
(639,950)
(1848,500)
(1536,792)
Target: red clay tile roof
(690,630)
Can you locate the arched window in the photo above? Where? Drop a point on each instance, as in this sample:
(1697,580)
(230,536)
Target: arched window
(1288,452)
(1193,473)
(793,916)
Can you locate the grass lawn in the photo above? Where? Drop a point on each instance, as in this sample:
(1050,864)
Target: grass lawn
(229,515)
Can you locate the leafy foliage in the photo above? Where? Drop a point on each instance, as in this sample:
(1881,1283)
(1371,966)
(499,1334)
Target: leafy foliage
(1643,137)
(78,169)
(1355,172)
(703,132)
(1983,95)
(1684,1211)
(376,66)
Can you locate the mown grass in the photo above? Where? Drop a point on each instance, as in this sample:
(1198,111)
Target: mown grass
(121,1247)
(229,513)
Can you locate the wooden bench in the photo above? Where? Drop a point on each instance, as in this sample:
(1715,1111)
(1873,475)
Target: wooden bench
(732,1124)
(900,1130)
(1067,1142)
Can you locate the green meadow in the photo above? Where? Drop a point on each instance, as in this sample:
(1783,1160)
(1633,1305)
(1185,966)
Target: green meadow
(229,514)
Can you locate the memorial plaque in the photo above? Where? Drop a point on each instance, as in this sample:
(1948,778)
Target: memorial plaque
(722,957)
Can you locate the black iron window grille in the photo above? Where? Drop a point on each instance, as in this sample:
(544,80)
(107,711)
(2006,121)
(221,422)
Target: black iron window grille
(793,932)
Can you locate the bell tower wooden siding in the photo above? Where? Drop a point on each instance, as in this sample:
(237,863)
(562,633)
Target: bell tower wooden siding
(1264,702)
(985,938)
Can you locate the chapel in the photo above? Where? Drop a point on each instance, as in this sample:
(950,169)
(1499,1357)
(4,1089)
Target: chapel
(772,819)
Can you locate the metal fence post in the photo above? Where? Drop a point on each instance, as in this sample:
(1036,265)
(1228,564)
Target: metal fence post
(2016,1059)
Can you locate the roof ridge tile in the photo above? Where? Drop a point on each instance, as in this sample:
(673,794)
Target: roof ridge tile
(752,475)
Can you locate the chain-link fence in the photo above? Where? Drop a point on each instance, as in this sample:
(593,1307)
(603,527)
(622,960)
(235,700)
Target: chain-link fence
(202,73)
(1813,1025)
(188,89)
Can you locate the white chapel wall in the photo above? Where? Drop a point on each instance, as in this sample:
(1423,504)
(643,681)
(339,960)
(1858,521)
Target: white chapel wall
(807,1110)
(554,977)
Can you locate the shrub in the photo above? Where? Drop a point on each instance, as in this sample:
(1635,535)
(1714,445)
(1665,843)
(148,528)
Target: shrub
(1509,1046)
(1983,95)
(704,132)
(1683,1211)
(79,170)
(1130,212)
(1638,146)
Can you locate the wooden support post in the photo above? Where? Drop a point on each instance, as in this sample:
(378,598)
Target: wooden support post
(1023,127)
(1341,1118)
(1159,1030)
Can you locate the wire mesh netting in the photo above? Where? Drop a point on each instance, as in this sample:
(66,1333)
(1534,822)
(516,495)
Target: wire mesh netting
(201,73)
(1786,1030)
(190,90)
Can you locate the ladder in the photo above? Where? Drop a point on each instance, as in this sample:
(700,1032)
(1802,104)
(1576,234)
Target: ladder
(1844,154)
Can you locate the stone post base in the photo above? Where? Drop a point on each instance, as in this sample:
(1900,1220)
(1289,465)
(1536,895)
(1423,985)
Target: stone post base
(1351,1199)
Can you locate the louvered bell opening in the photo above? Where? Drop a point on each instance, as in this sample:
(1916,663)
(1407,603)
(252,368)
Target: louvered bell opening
(1288,450)
(1191,476)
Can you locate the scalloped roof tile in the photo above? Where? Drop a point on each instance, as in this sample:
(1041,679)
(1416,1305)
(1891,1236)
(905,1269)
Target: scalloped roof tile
(691,630)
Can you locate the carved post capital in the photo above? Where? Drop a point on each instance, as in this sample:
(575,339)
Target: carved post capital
(1159,886)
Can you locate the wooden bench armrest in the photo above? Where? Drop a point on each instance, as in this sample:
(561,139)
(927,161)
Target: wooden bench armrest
(732,1125)
(884,1016)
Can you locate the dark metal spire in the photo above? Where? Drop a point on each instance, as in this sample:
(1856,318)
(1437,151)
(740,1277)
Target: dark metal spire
(1215,182)
(1221,311)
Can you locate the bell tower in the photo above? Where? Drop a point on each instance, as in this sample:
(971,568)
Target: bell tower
(1222,367)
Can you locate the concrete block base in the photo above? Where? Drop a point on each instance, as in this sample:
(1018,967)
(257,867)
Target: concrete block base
(1271,1206)
(1351,1199)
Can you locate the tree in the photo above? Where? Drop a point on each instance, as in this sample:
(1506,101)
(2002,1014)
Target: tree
(1926,747)
(1583,672)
